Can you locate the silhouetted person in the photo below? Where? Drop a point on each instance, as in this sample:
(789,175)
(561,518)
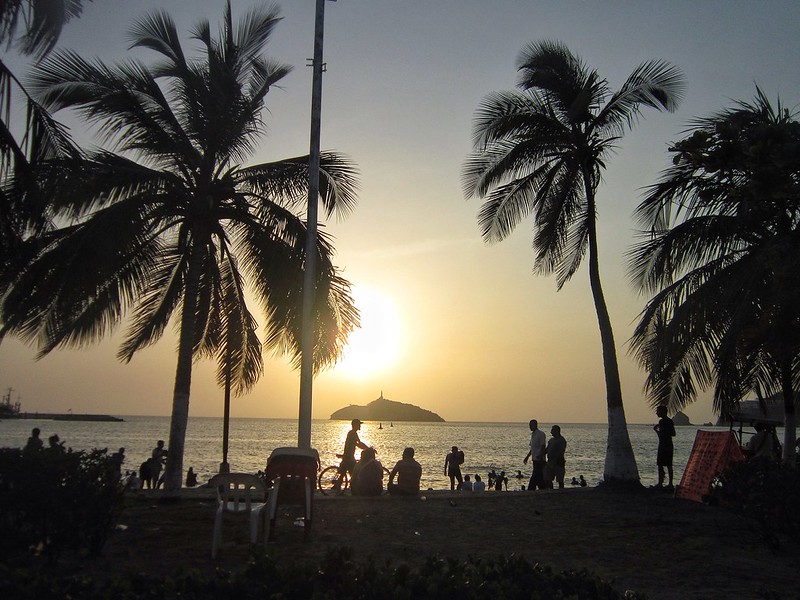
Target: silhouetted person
(490,478)
(157,458)
(351,442)
(556,461)
(146,473)
(499,481)
(116,462)
(34,443)
(467,484)
(55,445)
(191,478)
(452,467)
(367,475)
(408,472)
(479,485)
(764,444)
(537,455)
(665,429)
(582,481)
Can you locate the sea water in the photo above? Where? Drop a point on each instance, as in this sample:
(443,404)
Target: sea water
(487,446)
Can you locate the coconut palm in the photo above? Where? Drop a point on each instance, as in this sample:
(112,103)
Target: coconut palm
(166,223)
(542,151)
(720,258)
(32,28)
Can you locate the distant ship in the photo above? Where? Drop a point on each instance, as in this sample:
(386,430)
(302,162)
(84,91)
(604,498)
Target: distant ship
(8,409)
(13,410)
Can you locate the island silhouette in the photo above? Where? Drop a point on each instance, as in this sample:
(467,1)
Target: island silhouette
(383,409)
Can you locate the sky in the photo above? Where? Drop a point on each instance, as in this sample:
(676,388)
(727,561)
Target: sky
(449,323)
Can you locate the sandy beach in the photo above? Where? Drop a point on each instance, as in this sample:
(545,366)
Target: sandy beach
(646,541)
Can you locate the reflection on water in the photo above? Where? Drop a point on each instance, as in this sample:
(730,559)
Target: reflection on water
(499,446)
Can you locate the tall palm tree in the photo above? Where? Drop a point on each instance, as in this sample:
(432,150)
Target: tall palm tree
(31,28)
(542,150)
(167,223)
(720,258)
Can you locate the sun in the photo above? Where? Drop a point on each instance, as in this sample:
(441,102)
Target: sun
(376,345)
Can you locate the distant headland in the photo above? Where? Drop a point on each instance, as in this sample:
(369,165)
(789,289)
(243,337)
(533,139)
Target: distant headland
(384,409)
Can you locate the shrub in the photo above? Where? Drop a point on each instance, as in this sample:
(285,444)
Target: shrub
(765,491)
(52,501)
(337,576)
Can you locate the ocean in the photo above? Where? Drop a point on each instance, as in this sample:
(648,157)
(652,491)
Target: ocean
(499,446)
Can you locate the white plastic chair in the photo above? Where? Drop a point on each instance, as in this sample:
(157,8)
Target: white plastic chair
(238,493)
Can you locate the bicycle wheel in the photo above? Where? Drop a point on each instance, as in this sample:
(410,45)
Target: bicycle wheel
(329,481)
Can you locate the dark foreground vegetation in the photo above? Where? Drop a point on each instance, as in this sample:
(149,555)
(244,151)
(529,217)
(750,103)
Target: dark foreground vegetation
(68,532)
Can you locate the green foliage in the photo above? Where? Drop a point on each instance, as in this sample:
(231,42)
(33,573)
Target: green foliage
(337,576)
(767,492)
(51,501)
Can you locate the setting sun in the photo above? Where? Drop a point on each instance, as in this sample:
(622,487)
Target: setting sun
(376,345)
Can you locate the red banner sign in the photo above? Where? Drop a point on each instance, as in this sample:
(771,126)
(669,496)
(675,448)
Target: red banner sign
(712,452)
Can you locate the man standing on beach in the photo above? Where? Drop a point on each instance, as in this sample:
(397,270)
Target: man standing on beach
(556,463)
(537,455)
(665,429)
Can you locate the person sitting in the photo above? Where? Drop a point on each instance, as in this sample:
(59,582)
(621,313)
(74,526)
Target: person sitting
(466,486)
(367,475)
(191,478)
(408,472)
(479,485)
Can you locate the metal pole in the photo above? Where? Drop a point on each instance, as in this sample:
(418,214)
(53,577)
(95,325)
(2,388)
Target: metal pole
(309,280)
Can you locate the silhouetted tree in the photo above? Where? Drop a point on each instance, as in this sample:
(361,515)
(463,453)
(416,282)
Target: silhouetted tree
(168,223)
(721,259)
(541,151)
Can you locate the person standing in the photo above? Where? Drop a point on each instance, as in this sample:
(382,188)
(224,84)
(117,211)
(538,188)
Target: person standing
(351,442)
(157,458)
(408,472)
(665,429)
(556,461)
(452,467)
(537,455)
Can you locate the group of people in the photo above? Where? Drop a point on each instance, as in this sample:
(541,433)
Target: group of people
(548,457)
(35,443)
(367,473)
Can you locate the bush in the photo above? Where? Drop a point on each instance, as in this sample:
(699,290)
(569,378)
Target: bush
(51,501)
(765,491)
(338,576)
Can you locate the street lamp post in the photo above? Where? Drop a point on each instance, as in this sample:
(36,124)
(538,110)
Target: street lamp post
(309,279)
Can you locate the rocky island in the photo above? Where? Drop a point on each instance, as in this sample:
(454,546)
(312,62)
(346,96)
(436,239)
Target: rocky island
(383,409)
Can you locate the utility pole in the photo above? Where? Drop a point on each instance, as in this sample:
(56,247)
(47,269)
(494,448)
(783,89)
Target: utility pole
(309,280)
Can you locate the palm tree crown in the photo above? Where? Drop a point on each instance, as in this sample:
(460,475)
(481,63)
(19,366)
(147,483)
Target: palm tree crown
(167,220)
(541,151)
(723,234)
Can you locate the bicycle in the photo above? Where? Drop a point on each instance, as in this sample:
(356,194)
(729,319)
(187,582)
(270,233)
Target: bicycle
(331,481)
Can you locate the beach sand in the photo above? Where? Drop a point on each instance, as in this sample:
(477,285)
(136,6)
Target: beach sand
(645,541)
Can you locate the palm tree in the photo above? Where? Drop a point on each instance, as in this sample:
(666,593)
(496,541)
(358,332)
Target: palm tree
(32,27)
(167,223)
(720,258)
(542,150)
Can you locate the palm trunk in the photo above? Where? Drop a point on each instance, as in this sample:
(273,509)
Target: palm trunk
(620,463)
(789,416)
(173,474)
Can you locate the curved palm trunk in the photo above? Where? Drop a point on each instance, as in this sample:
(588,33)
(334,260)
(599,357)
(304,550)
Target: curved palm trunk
(173,474)
(620,464)
(789,416)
